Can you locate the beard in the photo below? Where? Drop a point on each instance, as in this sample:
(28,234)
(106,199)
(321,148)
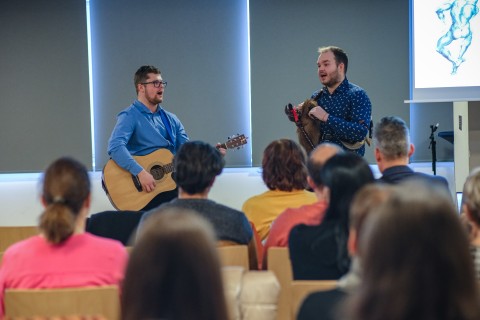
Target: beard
(154,99)
(332,80)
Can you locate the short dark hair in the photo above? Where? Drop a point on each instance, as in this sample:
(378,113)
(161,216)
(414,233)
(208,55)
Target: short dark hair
(338,53)
(283,166)
(196,165)
(391,136)
(174,270)
(142,75)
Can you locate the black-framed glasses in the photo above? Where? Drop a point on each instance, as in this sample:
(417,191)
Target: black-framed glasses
(157,83)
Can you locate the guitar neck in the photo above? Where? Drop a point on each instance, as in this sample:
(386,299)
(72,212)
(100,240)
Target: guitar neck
(234,143)
(223,146)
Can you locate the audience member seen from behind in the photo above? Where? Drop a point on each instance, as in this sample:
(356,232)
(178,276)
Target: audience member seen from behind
(471,211)
(322,305)
(309,214)
(284,173)
(320,252)
(174,270)
(393,150)
(63,255)
(416,262)
(197,164)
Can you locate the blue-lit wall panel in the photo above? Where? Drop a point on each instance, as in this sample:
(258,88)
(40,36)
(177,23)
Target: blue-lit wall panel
(44,107)
(201,47)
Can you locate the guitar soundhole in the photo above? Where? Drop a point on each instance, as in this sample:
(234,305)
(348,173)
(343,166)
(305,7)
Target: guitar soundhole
(157,172)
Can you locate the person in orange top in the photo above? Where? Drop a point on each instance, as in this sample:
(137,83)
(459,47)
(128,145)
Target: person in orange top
(310,214)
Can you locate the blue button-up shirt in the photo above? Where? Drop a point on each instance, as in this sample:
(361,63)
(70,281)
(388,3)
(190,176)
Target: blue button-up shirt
(349,110)
(139,132)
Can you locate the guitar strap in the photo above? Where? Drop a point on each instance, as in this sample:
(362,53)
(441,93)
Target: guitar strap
(168,128)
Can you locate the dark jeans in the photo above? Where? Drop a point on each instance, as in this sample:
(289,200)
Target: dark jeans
(161,198)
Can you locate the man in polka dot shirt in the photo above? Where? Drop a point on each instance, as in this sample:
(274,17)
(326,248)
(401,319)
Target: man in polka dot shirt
(344,109)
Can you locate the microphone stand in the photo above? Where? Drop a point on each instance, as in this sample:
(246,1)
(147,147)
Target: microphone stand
(433,146)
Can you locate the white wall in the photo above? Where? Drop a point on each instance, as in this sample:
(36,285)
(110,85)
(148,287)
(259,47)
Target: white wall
(20,203)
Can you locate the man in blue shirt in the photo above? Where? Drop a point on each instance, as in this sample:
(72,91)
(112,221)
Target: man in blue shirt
(144,127)
(344,109)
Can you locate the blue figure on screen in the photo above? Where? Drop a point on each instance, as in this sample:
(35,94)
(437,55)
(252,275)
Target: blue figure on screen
(461,12)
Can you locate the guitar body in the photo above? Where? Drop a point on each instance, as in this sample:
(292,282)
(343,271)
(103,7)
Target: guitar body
(123,189)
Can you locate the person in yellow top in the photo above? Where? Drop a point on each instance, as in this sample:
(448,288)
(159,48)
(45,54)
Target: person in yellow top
(284,173)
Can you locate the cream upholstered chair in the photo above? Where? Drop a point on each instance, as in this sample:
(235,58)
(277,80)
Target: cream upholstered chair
(232,285)
(10,235)
(259,296)
(300,289)
(233,255)
(250,295)
(278,261)
(102,301)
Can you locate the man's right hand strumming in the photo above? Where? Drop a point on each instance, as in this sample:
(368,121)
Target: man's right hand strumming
(146,180)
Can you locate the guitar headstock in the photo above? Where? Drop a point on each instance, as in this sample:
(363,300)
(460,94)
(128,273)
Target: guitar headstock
(234,142)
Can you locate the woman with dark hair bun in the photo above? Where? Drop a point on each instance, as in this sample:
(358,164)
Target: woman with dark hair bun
(63,255)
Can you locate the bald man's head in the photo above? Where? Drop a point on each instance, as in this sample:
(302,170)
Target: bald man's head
(318,157)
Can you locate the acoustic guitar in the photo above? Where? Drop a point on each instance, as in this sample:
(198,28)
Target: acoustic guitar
(124,189)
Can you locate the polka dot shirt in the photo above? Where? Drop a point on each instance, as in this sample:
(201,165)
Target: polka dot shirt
(349,110)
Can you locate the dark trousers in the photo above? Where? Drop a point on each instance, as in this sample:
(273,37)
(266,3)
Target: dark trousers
(161,198)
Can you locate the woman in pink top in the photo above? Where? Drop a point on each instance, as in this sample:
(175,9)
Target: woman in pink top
(63,255)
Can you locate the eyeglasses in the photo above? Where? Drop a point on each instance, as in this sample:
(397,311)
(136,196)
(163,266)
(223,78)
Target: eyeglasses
(157,83)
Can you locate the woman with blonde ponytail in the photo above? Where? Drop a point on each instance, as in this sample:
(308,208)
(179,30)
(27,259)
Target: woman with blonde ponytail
(63,255)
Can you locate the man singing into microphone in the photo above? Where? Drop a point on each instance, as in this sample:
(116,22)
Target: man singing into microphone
(344,109)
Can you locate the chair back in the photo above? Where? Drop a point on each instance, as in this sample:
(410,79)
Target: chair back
(10,235)
(233,255)
(259,245)
(278,261)
(103,301)
(300,289)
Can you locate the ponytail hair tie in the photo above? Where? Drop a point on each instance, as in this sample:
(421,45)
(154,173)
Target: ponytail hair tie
(58,200)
